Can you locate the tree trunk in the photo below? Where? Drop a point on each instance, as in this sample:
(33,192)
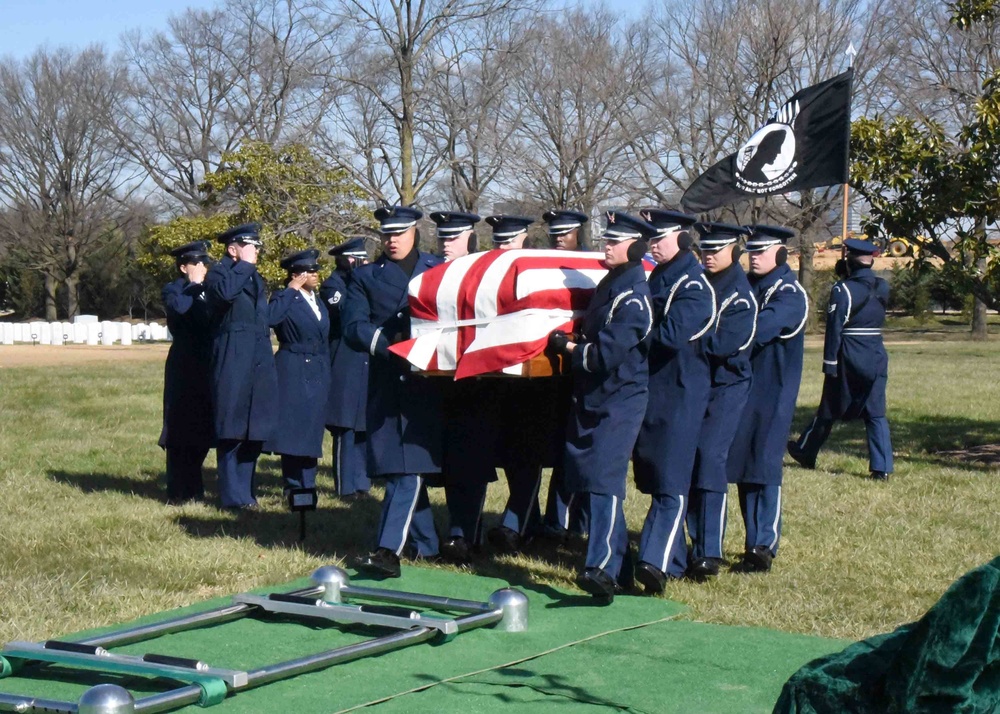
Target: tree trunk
(72,285)
(807,251)
(51,312)
(980,329)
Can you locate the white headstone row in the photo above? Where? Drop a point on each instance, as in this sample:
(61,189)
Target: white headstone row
(81,333)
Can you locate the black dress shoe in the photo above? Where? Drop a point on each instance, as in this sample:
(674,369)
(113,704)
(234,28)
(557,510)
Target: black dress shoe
(800,457)
(878,476)
(504,540)
(456,550)
(598,583)
(652,579)
(382,563)
(626,576)
(701,569)
(756,560)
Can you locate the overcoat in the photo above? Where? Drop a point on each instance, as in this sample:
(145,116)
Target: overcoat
(244,381)
(303,366)
(854,359)
(727,345)
(403,419)
(679,376)
(776,361)
(345,406)
(610,383)
(187,413)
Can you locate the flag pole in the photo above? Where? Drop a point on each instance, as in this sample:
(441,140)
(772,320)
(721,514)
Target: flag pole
(847,186)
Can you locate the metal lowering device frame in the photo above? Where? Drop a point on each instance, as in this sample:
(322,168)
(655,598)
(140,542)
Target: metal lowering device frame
(331,597)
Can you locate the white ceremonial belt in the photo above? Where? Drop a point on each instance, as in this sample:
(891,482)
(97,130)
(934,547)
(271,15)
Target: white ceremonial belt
(861,331)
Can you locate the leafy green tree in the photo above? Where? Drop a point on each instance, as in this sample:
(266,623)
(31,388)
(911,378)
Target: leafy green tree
(940,185)
(298,199)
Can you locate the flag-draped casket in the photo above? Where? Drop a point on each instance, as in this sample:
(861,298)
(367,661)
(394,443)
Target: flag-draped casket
(493,311)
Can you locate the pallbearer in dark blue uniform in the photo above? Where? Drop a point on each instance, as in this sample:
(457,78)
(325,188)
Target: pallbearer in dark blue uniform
(517,406)
(679,383)
(610,387)
(348,399)
(855,363)
(244,381)
(564,512)
(470,437)
(403,420)
(776,361)
(187,433)
(727,345)
(303,364)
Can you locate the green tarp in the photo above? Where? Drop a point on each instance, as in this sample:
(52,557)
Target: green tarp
(948,661)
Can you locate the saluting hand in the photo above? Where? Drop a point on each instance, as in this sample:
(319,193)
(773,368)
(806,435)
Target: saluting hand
(298,280)
(196,272)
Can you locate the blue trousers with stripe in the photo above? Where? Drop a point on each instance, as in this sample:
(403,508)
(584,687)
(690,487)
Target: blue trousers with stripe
(350,461)
(607,541)
(876,431)
(565,511)
(406,513)
(706,522)
(662,543)
(761,508)
(522,514)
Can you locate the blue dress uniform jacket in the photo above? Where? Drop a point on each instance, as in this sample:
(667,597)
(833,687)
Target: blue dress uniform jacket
(854,357)
(679,376)
(348,367)
(244,381)
(348,397)
(303,366)
(727,346)
(187,420)
(610,383)
(403,416)
(776,359)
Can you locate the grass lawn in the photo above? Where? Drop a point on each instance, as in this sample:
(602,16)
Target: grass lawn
(86,540)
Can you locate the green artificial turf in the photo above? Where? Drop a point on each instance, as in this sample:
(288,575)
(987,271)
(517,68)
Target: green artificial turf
(575,656)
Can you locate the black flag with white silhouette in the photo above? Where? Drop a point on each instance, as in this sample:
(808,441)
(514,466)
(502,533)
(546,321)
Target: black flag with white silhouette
(804,145)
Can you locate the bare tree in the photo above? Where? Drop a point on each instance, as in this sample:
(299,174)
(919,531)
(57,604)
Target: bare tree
(63,177)
(475,115)
(580,77)
(392,59)
(252,69)
(718,69)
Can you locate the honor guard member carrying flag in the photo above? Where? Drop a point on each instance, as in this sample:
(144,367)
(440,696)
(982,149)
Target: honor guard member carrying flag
(679,383)
(348,398)
(610,386)
(244,381)
(727,345)
(403,422)
(518,428)
(303,364)
(187,433)
(776,362)
(564,512)
(855,363)
(470,430)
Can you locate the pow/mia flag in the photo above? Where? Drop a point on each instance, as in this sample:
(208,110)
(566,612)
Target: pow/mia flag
(804,145)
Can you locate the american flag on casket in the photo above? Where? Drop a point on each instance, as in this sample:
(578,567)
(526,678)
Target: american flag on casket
(493,311)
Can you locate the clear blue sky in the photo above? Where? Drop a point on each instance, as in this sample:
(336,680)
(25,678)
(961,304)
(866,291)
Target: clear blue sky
(28,24)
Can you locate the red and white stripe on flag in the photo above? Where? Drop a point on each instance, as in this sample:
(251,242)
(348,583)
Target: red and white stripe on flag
(492,311)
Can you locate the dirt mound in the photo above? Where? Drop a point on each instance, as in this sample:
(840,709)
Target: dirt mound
(984,455)
(53,355)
